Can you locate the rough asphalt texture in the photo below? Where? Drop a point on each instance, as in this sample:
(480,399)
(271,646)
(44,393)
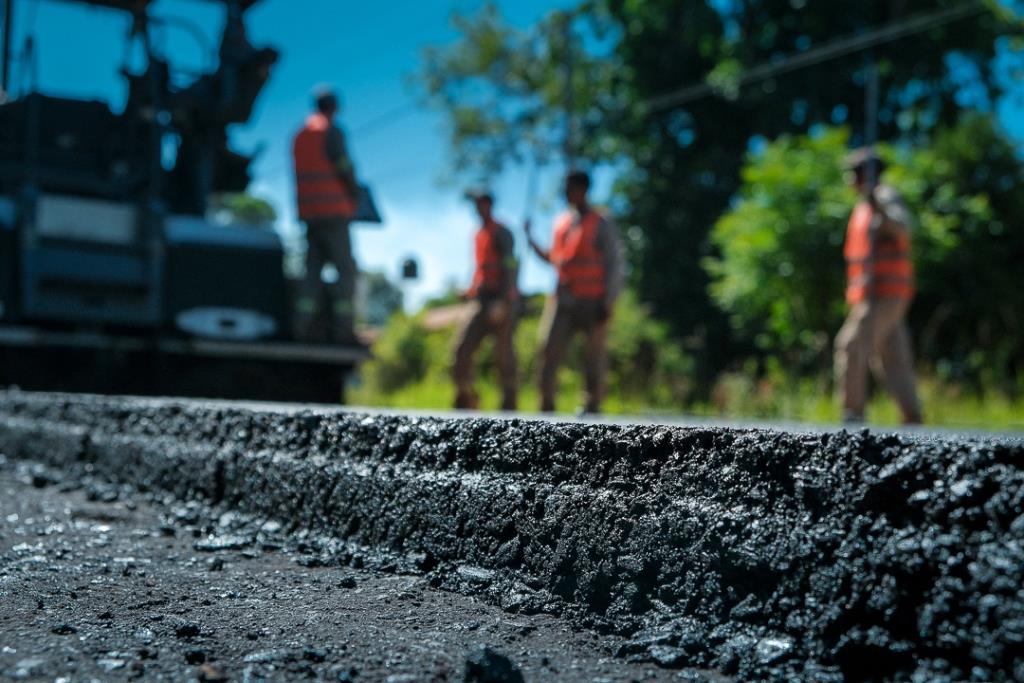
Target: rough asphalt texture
(98,584)
(756,554)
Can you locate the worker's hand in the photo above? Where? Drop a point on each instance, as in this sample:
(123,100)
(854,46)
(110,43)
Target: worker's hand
(604,312)
(514,302)
(464,296)
(497,312)
(877,224)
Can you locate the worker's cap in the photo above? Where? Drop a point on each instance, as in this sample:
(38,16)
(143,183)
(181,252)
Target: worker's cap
(859,159)
(480,192)
(578,177)
(326,97)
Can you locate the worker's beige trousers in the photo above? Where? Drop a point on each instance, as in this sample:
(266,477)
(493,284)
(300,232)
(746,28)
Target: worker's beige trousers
(875,336)
(563,317)
(477,325)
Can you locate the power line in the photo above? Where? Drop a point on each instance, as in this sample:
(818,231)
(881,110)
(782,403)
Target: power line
(832,50)
(385,119)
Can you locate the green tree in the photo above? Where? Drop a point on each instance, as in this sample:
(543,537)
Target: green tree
(506,93)
(382,298)
(778,268)
(686,156)
(779,272)
(243,209)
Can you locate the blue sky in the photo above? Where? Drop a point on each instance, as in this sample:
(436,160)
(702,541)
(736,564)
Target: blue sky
(368,50)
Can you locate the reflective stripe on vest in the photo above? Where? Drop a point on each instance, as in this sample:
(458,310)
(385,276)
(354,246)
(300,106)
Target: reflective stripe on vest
(487,276)
(320,192)
(574,252)
(888,273)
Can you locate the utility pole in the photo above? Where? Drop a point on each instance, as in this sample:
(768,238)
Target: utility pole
(570,103)
(871,172)
(5,65)
(871,113)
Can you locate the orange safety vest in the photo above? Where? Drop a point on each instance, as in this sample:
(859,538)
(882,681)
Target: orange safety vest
(487,276)
(320,192)
(576,256)
(885,273)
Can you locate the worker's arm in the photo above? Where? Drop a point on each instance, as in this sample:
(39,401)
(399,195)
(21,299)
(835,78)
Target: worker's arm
(541,253)
(610,244)
(509,265)
(337,153)
(891,216)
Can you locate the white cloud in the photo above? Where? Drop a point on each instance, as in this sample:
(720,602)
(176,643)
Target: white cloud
(438,234)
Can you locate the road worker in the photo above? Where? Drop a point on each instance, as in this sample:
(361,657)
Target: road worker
(327,195)
(494,299)
(880,286)
(586,253)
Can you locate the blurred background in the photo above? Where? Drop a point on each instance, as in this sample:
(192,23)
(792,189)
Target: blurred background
(715,131)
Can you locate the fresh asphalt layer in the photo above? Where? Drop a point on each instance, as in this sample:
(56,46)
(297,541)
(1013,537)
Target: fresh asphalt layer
(99,583)
(655,419)
(753,553)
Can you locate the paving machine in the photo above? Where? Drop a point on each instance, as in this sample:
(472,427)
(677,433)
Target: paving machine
(112,279)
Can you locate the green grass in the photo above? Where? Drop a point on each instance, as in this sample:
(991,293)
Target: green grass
(735,397)
(811,400)
(649,375)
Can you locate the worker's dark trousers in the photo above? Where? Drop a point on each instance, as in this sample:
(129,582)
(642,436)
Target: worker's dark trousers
(328,241)
(478,323)
(563,317)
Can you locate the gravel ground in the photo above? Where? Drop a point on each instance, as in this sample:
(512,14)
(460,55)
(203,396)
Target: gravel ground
(117,590)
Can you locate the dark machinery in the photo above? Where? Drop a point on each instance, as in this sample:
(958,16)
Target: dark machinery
(111,278)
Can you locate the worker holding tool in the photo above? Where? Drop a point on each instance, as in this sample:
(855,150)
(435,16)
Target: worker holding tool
(879,289)
(493,309)
(586,253)
(327,194)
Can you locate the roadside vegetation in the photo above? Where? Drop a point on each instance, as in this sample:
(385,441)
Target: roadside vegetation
(732,201)
(650,374)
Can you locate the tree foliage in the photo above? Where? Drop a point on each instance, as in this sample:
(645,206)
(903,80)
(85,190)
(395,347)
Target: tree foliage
(244,209)
(778,269)
(780,277)
(380,298)
(504,93)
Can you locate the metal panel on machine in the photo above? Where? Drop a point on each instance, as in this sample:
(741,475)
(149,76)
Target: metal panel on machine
(88,220)
(8,250)
(224,282)
(86,261)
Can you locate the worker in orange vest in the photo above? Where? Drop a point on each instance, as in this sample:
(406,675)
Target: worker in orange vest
(586,253)
(880,286)
(327,193)
(494,298)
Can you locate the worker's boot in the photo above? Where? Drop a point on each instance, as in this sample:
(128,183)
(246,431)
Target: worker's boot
(304,320)
(589,407)
(508,400)
(912,417)
(343,330)
(851,417)
(466,399)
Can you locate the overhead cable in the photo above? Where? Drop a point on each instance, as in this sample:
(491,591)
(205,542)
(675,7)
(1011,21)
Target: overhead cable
(840,47)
